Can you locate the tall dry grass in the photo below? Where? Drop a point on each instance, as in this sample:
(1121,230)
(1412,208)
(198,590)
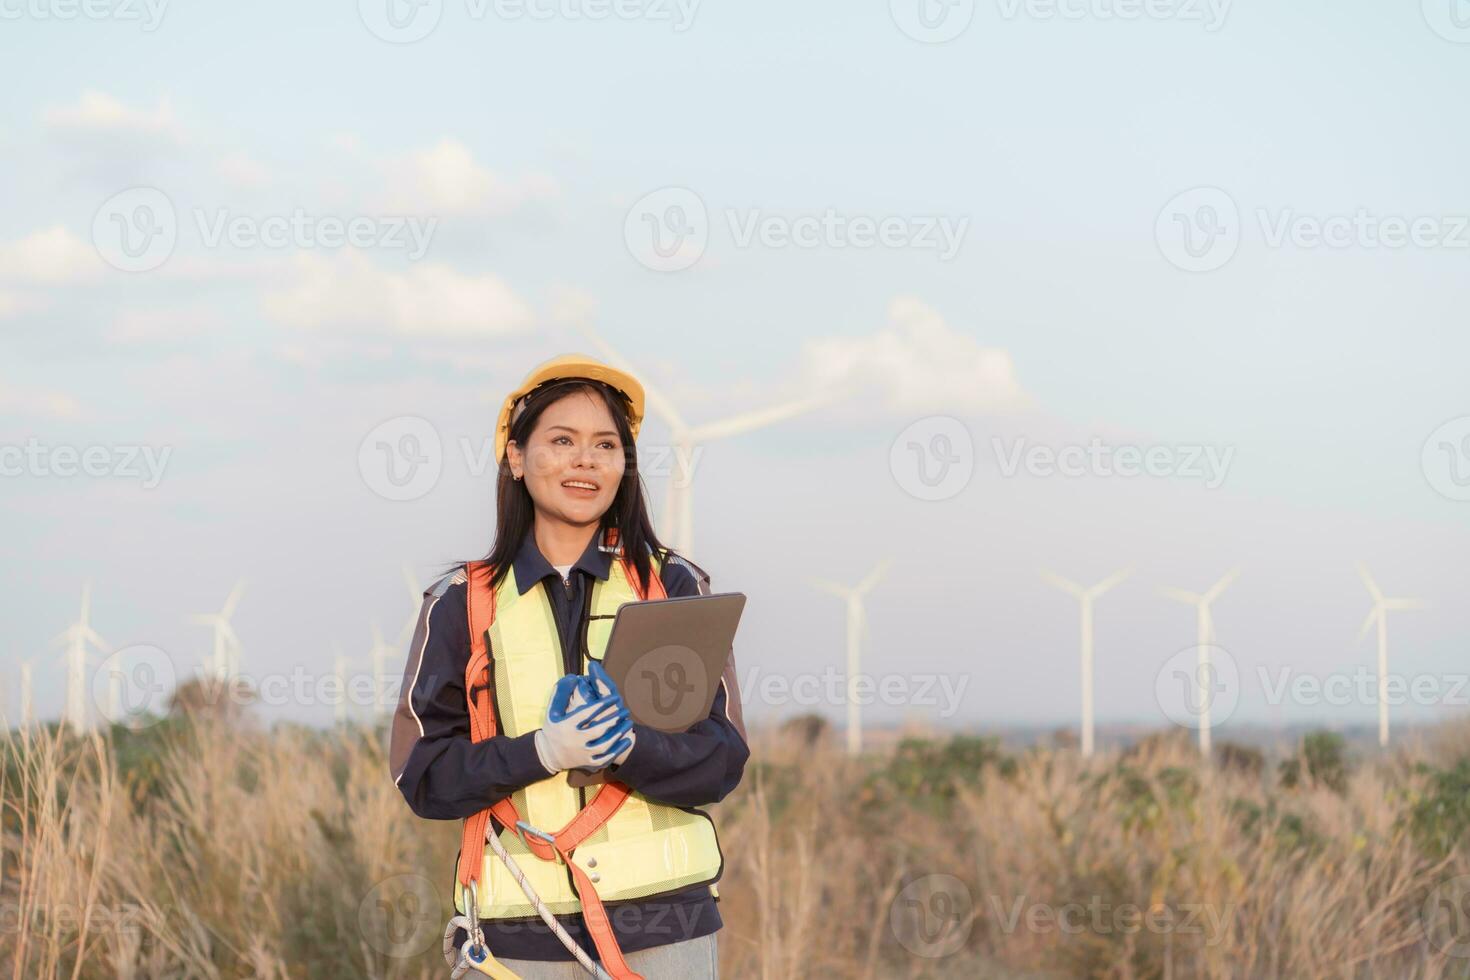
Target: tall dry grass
(221,851)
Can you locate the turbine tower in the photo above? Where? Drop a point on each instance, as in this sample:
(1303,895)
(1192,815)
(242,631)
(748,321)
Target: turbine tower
(27,693)
(1086,597)
(1204,634)
(856,620)
(1379,614)
(225,659)
(415,602)
(339,670)
(77,637)
(676,524)
(378,656)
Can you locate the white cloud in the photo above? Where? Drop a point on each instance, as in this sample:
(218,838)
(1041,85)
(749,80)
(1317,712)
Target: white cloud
(52,256)
(351,291)
(446,179)
(242,171)
(918,363)
(14,304)
(98,113)
(38,402)
(162,326)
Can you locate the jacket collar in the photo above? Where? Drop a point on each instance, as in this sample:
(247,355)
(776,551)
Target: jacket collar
(531,566)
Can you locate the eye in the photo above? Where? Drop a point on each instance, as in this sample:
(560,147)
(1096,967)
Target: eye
(562,439)
(608,443)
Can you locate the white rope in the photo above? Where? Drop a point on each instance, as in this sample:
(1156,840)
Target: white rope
(465,921)
(547,917)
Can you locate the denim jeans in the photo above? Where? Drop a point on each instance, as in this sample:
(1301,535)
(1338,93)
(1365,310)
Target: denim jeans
(692,959)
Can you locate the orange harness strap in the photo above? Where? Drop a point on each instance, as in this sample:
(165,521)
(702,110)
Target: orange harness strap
(477,683)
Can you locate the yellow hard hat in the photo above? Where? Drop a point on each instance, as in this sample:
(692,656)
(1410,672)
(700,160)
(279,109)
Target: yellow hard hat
(562,368)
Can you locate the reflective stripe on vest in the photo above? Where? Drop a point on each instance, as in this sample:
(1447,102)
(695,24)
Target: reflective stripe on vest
(646,848)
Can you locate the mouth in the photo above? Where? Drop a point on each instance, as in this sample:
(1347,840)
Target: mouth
(580,488)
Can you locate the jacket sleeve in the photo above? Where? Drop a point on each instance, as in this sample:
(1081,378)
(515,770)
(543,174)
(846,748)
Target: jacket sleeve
(703,764)
(440,772)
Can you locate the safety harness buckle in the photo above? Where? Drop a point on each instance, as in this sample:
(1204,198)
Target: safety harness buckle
(523,829)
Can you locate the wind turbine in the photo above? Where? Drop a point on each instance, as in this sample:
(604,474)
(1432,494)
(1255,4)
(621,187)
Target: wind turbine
(1086,597)
(77,636)
(676,524)
(27,711)
(339,670)
(378,656)
(225,660)
(1379,613)
(415,603)
(856,619)
(1204,634)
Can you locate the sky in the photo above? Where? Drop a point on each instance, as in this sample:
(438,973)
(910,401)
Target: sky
(257,259)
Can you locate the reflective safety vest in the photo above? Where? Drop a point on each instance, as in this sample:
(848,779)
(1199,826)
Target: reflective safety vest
(612,844)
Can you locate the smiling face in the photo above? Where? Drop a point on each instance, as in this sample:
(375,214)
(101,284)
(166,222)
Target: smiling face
(572,462)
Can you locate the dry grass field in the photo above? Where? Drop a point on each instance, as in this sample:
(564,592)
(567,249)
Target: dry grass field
(224,850)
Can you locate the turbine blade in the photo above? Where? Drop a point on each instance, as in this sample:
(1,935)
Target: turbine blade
(840,591)
(873,577)
(233,599)
(754,420)
(1066,585)
(1220,586)
(1180,595)
(651,395)
(1109,582)
(1368,623)
(1368,581)
(1405,604)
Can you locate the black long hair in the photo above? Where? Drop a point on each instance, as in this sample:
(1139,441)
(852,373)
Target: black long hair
(515,512)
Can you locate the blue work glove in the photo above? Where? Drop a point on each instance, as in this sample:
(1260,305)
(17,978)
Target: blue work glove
(619,738)
(575,719)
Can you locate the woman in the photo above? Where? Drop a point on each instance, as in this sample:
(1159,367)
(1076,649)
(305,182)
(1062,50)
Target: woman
(477,729)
